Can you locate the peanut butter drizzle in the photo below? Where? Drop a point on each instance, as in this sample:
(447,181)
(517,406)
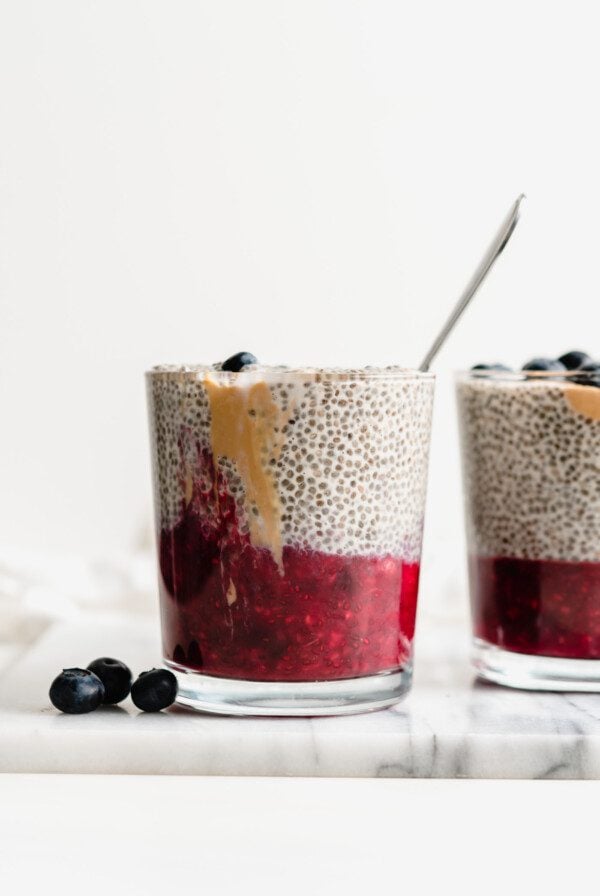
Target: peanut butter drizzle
(584,400)
(189,487)
(243,429)
(231,593)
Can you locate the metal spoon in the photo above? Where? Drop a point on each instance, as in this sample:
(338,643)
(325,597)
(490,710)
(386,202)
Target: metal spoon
(485,265)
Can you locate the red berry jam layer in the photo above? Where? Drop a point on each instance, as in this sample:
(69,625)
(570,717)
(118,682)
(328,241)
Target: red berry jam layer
(228,609)
(538,607)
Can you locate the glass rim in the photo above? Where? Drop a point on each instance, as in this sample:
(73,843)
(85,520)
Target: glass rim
(256,373)
(576,377)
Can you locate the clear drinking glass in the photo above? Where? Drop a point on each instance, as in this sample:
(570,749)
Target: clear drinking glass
(289,512)
(531,473)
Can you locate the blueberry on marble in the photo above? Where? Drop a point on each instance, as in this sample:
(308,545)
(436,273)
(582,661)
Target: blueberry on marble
(574,360)
(114,675)
(154,690)
(76,691)
(551,365)
(238,362)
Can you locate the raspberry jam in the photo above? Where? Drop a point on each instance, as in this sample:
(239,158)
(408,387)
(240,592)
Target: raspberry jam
(539,607)
(227,609)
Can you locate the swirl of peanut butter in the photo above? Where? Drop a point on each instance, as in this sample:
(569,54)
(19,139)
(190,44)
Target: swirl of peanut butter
(584,400)
(247,428)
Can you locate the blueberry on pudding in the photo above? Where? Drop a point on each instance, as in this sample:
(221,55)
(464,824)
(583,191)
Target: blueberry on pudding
(551,365)
(237,362)
(574,360)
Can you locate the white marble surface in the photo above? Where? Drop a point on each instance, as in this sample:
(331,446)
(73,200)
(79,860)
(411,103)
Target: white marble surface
(449,726)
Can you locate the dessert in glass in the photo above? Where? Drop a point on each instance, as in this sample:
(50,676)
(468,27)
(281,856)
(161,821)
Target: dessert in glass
(531,472)
(289,513)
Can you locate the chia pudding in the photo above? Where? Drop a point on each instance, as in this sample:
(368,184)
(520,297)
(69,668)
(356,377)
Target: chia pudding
(289,511)
(531,470)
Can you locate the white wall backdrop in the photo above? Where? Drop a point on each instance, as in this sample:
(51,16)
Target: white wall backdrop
(311,180)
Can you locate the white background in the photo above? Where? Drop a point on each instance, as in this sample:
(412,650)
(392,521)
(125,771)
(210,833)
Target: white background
(139,836)
(311,181)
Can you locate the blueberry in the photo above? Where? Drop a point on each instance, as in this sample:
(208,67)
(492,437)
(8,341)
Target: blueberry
(588,374)
(574,360)
(490,367)
(114,675)
(238,362)
(76,691)
(590,366)
(154,690)
(547,364)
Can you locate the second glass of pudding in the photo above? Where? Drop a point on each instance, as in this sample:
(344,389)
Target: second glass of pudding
(531,470)
(289,510)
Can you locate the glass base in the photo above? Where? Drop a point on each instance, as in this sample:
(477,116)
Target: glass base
(234,697)
(534,673)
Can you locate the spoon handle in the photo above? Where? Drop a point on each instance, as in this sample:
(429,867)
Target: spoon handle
(484,267)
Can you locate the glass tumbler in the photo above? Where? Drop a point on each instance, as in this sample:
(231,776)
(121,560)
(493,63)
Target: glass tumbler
(289,510)
(531,472)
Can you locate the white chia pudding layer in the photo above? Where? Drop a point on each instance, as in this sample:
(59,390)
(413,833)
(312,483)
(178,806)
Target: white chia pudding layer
(531,467)
(343,452)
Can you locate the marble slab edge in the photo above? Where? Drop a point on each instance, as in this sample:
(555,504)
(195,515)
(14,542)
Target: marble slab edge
(447,728)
